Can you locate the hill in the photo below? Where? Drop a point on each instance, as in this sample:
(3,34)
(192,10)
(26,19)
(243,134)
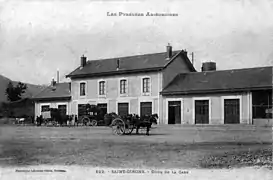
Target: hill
(31,90)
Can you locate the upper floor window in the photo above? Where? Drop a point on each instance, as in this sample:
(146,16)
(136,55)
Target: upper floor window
(82,89)
(123,86)
(146,84)
(102,89)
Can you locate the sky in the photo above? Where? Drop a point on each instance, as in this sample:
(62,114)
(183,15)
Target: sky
(39,37)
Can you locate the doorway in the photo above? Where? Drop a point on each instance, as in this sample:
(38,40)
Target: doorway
(123,109)
(174,112)
(232,111)
(103,109)
(201,111)
(145,108)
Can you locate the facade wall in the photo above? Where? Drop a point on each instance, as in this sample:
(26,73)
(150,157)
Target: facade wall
(53,104)
(112,86)
(112,97)
(216,107)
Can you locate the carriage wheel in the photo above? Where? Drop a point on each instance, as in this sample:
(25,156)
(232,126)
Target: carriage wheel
(85,121)
(118,126)
(94,122)
(128,129)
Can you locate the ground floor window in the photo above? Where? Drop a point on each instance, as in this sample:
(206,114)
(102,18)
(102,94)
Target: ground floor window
(62,109)
(201,111)
(145,108)
(123,109)
(231,111)
(262,104)
(103,109)
(82,109)
(45,108)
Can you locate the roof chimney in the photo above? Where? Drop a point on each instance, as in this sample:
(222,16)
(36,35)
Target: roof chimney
(69,86)
(169,52)
(53,82)
(208,66)
(118,62)
(83,61)
(58,76)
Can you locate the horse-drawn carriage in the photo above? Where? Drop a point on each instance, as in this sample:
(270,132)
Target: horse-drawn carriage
(92,116)
(52,117)
(126,124)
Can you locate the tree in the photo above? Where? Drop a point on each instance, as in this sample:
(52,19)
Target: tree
(15,93)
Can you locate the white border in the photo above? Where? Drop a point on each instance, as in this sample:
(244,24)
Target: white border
(240,106)
(249,94)
(40,107)
(127,87)
(141,85)
(193,108)
(143,100)
(86,89)
(98,88)
(167,109)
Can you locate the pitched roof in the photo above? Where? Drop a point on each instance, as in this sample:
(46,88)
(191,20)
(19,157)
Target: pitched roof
(61,91)
(137,63)
(220,81)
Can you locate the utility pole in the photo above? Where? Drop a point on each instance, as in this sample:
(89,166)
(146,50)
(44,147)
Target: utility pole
(58,75)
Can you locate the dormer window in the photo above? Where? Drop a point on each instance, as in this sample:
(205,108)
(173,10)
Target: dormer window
(82,89)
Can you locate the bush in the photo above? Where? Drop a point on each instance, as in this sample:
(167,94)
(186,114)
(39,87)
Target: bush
(6,120)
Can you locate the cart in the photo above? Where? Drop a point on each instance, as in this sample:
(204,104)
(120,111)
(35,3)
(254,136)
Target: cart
(125,125)
(93,116)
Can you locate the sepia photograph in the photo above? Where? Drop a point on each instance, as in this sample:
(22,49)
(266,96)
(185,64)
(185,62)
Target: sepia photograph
(136,89)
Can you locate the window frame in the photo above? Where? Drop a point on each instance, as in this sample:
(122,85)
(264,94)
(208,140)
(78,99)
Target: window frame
(145,101)
(99,89)
(193,108)
(85,88)
(41,107)
(126,87)
(239,97)
(149,86)
(63,104)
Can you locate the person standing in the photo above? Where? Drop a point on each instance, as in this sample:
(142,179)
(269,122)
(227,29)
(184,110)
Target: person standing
(72,120)
(76,120)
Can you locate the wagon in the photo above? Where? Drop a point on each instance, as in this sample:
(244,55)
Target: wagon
(53,117)
(93,116)
(125,125)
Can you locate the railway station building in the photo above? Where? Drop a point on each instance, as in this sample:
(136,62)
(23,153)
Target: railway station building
(167,84)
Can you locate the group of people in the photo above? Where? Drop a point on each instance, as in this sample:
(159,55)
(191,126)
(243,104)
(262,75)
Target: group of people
(69,120)
(72,120)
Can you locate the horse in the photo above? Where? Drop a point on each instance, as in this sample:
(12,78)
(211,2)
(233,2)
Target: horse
(145,121)
(57,116)
(20,120)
